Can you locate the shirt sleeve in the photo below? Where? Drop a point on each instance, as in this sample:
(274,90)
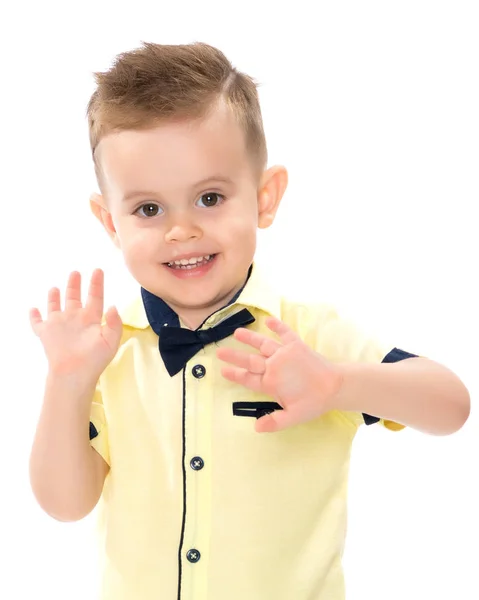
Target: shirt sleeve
(98,426)
(340,340)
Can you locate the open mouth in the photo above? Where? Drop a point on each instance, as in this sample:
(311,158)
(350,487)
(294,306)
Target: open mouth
(188,264)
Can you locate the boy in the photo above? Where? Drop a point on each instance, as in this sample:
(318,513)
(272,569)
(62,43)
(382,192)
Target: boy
(197,500)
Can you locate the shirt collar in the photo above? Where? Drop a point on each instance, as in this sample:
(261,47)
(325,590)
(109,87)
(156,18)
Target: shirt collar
(256,293)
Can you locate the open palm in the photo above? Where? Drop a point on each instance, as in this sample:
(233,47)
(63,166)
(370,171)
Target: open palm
(298,378)
(74,339)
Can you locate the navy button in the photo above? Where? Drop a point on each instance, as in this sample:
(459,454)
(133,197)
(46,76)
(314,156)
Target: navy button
(197,463)
(199,371)
(193,555)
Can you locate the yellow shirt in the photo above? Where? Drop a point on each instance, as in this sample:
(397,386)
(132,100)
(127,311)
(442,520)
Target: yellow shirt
(197,505)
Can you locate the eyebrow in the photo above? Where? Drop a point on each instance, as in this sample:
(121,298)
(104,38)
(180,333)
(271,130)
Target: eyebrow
(208,180)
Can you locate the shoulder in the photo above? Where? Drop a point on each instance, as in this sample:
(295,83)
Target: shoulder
(331,332)
(133,314)
(136,330)
(305,317)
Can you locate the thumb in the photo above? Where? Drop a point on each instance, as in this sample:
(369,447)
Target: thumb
(282,419)
(275,421)
(113,327)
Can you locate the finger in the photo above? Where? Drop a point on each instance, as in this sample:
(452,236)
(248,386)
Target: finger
(53,304)
(279,420)
(254,363)
(286,334)
(250,380)
(267,346)
(35,320)
(113,328)
(73,291)
(95,298)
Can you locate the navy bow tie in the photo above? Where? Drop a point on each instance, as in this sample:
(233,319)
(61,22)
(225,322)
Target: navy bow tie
(177,344)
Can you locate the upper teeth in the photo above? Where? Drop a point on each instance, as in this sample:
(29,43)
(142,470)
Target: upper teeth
(190,261)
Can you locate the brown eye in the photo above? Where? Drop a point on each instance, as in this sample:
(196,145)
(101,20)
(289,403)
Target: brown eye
(149,210)
(210,199)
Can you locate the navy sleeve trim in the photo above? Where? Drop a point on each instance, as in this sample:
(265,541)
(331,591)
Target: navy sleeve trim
(395,355)
(93,431)
(369,420)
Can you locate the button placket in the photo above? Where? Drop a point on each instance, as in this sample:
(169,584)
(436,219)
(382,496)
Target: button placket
(193,555)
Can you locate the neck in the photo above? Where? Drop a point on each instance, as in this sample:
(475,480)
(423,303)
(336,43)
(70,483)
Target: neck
(192,318)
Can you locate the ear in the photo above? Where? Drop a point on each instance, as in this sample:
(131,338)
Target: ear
(273,185)
(100,210)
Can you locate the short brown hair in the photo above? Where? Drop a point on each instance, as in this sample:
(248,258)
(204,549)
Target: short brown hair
(156,83)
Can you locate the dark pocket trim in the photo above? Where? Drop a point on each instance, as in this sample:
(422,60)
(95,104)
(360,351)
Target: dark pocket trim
(255,409)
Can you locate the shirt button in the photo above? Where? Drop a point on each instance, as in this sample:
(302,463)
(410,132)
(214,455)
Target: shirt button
(199,371)
(197,463)
(193,555)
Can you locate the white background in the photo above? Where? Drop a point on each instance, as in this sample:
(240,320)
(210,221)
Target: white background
(373,107)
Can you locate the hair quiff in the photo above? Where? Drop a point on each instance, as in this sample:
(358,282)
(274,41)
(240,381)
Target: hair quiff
(156,83)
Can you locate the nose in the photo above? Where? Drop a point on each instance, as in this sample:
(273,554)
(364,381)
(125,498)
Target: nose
(182,229)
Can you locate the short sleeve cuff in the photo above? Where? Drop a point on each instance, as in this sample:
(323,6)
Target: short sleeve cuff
(98,431)
(395,355)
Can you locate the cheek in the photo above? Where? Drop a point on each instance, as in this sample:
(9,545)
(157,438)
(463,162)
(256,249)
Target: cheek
(239,232)
(242,222)
(137,243)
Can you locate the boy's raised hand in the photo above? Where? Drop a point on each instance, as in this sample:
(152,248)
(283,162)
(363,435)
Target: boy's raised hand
(298,378)
(74,339)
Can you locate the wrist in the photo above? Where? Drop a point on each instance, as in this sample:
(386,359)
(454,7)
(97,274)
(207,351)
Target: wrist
(361,386)
(70,384)
(341,399)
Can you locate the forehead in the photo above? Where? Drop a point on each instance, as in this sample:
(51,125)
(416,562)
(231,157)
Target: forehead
(174,153)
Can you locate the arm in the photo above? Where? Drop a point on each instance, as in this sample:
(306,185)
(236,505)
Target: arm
(415,392)
(66,473)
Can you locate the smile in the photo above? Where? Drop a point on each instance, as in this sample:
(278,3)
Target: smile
(187,264)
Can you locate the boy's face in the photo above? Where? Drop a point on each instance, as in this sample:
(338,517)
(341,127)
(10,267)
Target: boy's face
(186,190)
